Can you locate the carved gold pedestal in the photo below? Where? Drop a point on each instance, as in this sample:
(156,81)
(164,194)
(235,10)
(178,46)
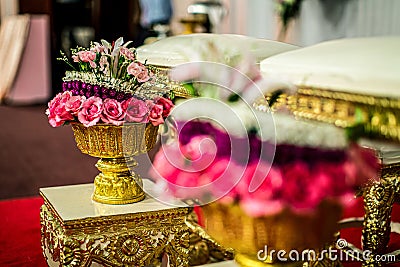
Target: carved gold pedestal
(116,146)
(79,232)
(378,202)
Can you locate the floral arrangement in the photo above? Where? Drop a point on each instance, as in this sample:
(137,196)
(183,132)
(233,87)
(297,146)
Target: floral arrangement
(103,88)
(303,173)
(275,163)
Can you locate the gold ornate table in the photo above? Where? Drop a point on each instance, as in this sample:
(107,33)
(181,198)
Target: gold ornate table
(352,82)
(77,231)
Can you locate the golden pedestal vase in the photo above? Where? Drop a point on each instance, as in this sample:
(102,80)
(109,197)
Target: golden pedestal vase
(257,241)
(116,147)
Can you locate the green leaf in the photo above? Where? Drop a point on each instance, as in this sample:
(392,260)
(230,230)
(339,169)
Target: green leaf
(190,89)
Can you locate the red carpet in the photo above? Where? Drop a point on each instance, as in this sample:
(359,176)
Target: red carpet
(20,232)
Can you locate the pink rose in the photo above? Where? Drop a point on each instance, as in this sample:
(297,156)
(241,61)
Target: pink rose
(91,110)
(87,56)
(167,105)
(143,76)
(134,68)
(127,53)
(136,110)
(56,112)
(98,48)
(155,116)
(74,104)
(112,112)
(65,96)
(138,70)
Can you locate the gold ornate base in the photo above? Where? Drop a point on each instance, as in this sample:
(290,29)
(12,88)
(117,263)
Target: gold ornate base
(78,232)
(203,248)
(115,184)
(378,203)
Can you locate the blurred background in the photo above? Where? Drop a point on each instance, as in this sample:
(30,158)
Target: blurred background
(34,155)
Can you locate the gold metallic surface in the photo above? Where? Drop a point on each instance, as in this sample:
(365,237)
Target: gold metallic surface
(287,231)
(163,81)
(378,202)
(203,248)
(116,146)
(139,239)
(379,114)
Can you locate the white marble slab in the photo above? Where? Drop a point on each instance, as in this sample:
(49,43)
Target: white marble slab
(74,202)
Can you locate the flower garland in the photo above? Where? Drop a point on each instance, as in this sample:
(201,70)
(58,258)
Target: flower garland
(102,89)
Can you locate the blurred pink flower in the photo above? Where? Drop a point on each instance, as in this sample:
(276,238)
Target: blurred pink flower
(91,111)
(136,110)
(112,112)
(297,187)
(165,163)
(366,164)
(258,208)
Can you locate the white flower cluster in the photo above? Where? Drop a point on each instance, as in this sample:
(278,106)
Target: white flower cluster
(239,118)
(289,130)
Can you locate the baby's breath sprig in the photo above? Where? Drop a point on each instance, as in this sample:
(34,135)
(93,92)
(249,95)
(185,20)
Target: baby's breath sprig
(65,59)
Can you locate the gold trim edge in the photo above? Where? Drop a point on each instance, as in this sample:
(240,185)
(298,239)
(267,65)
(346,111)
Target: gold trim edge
(380,115)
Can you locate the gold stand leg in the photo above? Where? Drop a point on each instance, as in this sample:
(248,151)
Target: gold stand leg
(378,202)
(203,248)
(117,183)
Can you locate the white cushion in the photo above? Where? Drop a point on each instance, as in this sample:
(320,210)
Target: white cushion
(172,51)
(367,66)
